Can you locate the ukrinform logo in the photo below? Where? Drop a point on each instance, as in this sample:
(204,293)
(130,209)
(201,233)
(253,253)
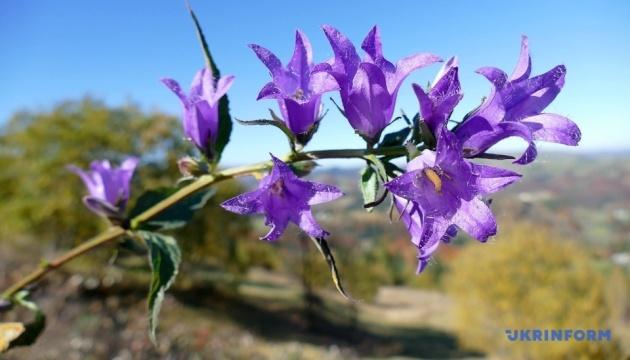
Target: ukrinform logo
(558,334)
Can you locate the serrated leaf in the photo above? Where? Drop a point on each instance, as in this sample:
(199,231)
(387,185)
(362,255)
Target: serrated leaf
(369,186)
(324,249)
(173,217)
(164,257)
(33,329)
(395,138)
(225,120)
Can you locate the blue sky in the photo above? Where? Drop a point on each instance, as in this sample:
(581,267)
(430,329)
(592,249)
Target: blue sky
(118,50)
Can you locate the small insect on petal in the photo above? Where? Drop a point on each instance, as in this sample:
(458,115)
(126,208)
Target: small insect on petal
(434,178)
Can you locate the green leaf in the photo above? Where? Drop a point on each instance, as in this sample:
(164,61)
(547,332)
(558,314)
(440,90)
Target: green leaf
(225,120)
(323,248)
(164,257)
(33,329)
(369,186)
(395,138)
(173,217)
(378,166)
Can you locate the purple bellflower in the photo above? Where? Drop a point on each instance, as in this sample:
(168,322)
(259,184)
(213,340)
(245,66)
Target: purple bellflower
(438,103)
(368,88)
(108,186)
(284,198)
(297,90)
(441,191)
(514,108)
(201,107)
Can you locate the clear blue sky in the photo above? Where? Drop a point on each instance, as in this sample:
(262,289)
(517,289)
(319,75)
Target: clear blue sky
(117,50)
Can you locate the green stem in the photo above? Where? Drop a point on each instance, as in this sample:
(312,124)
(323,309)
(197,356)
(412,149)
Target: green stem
(202,182)
(103,238)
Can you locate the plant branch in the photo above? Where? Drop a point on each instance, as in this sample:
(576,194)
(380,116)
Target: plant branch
(103,238)
(202,182)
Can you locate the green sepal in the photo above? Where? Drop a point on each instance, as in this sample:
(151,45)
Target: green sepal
(396,138)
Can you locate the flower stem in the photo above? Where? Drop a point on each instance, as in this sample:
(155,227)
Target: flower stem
(202,182)
(104,237)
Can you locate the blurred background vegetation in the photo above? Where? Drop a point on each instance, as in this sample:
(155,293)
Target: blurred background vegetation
(561,260)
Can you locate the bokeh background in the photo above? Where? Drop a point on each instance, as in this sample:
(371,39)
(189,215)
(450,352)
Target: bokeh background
(79,81)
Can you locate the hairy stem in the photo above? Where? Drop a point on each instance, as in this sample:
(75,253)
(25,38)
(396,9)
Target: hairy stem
(202,182)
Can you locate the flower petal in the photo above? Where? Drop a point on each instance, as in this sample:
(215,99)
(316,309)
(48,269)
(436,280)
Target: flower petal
(323,193)
(93,183)
(175,88)
(531,96)
(302,59)
(449,149)
(374,48)
(497,77)
(524,66)
(270,91)
(322,82)
(433,231)
(405,66)
(102,207)
(368,104)
(310,226)
(346,61)
(270,60)
(223,85)
(554,128)
(278,225)
(491,179)
(485,139)
(476,219)
(245,204)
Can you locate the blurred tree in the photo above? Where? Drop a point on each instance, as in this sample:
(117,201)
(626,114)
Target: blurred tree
(529,279)
(42,199)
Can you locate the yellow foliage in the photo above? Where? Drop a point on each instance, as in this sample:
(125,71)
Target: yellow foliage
(528,279)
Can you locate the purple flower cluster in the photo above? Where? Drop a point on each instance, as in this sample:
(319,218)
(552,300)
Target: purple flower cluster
(442,190)
(515,108)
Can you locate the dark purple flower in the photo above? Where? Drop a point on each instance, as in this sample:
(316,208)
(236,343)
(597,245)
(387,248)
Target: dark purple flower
(284,198)
(108,186)
(297,90)
(201,107)
(368,88)
(438,103)
(441,191)
(514,108)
